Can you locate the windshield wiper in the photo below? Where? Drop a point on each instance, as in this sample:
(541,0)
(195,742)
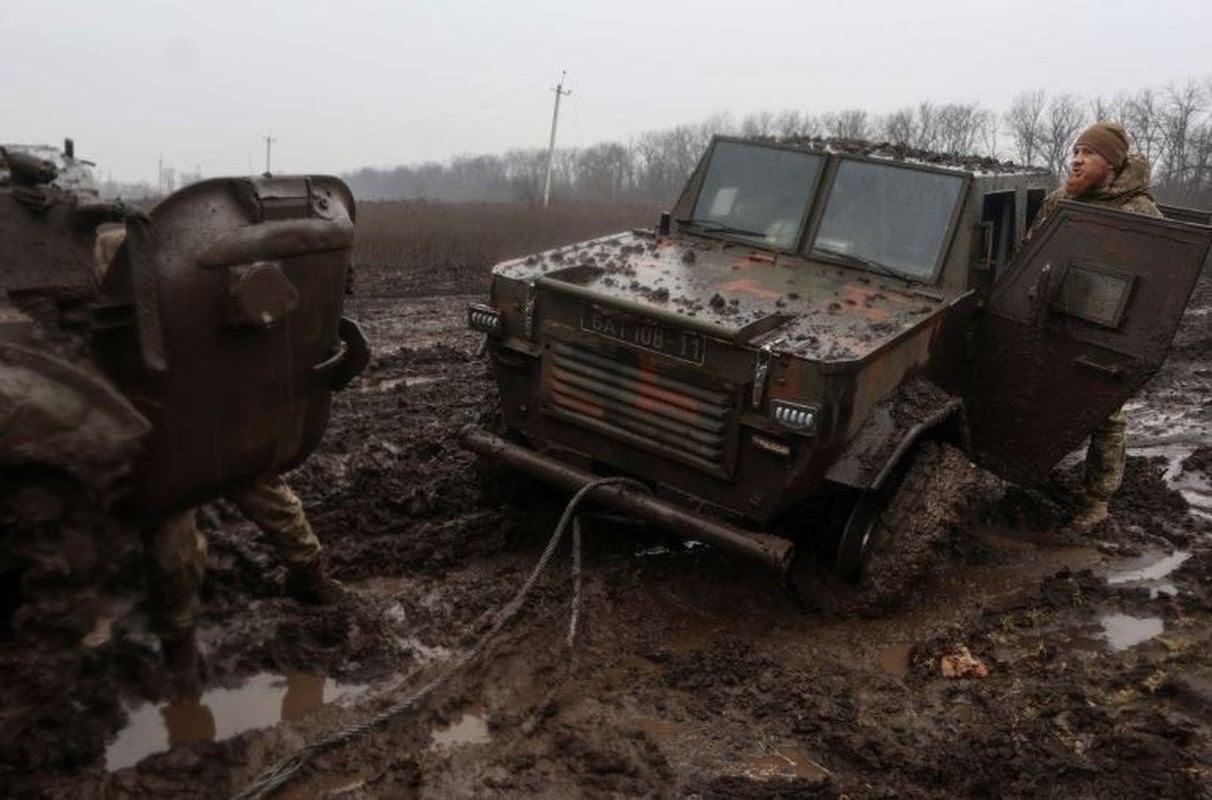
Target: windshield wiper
(859,261)
(714,226)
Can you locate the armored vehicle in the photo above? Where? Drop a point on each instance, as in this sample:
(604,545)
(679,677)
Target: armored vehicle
(833,326)
(150,360)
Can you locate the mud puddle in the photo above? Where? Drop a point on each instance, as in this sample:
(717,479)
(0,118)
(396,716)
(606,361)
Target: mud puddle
(1124,631)
(263,701)
(1175,448)
(470,728)
(782,761)
(1151,571)
(692,675)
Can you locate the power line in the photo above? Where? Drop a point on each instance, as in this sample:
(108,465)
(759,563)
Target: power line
(269,140)
(555,118)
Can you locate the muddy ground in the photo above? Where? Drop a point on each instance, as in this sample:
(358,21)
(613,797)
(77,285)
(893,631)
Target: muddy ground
(691,674)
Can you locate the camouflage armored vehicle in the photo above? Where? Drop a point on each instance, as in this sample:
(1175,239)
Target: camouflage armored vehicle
(833,327)
(134,383)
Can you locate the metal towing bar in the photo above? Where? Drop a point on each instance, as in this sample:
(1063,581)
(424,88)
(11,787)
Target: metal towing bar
(771,551)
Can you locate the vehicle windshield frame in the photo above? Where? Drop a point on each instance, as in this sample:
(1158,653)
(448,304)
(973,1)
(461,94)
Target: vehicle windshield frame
(838,160)
(702,226)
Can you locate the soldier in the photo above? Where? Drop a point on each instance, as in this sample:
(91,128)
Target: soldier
(1103,172)
(176,550)
(176,555)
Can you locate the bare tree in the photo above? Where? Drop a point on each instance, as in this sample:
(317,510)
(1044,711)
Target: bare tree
(812,125)
(1025,121)
(759,124)
(960,125)
(1143,119)
(1063,123)
(851,123)
(603,172)
(1199,160)
(900,127)
(1183,105)
(789,124)
(927,126)
(1171,127)
(1109,108)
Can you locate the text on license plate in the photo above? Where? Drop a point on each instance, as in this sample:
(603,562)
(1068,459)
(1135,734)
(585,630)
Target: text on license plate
(643,333)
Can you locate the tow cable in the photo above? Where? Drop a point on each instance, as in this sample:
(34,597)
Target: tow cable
(287,768)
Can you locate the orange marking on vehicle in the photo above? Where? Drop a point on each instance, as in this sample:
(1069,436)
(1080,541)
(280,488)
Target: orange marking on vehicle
(588,409)
(750,286)
(652,397)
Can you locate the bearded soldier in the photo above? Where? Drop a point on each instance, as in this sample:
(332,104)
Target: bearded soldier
(1104,173)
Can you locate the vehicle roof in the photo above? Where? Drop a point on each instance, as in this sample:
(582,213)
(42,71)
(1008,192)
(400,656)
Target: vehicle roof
(978,166)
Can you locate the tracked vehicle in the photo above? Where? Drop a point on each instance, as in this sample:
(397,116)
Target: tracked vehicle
(137,382)
(833,326)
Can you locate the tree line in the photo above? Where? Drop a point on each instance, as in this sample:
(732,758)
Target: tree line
(1171,126)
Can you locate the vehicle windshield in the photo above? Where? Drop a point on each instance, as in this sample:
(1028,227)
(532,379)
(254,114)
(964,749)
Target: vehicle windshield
(756,193)
(884,215)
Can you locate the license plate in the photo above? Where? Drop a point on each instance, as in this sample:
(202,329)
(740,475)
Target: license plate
(643,333)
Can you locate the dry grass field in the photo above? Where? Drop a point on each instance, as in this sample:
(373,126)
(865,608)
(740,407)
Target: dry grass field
(418,233)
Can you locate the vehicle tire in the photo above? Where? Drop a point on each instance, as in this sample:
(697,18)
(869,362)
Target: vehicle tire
(49,556)
(500,485)
(855,539)
(902,539)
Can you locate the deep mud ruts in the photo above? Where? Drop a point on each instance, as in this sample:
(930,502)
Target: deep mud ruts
(692,674)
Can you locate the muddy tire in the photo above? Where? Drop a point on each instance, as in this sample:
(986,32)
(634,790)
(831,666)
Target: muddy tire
(49,557)
(499,485)
(906,537)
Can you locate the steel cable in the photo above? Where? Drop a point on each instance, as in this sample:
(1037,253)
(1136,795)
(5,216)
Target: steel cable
(285,769)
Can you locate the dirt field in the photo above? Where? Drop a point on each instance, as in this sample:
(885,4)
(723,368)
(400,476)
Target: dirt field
(691,674)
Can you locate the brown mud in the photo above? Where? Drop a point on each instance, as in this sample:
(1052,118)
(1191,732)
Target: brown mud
(691,674)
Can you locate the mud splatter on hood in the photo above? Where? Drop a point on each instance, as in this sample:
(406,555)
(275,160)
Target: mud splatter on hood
(806,308)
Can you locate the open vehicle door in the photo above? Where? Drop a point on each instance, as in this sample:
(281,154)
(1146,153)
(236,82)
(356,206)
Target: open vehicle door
(1081,319)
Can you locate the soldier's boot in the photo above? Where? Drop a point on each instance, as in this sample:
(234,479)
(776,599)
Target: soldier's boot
(1091,513)
(182,659)
(308,583)
(1105,459)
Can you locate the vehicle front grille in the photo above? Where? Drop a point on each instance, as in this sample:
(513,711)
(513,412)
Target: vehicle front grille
(640,406)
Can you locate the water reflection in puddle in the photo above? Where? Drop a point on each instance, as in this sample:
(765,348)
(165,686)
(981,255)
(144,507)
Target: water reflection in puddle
(470,728)
(894,660)
(1150,571)
(784,761)
(219,714)
(393,384)
(1123,631)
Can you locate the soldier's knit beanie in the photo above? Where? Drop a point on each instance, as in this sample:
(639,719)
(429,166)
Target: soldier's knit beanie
(1109,140)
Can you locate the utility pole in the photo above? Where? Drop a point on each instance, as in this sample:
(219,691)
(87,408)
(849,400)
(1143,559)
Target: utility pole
(160,176)
(555,118)
(269,140)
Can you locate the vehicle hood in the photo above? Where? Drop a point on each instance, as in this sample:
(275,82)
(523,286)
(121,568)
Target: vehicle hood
(738,293)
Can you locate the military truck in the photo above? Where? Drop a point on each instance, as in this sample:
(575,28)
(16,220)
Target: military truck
(133,384)
(834,327)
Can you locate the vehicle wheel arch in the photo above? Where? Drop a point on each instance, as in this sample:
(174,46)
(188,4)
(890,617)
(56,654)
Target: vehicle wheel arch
(917,411)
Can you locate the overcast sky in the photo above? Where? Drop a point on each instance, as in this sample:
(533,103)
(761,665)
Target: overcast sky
(350,83)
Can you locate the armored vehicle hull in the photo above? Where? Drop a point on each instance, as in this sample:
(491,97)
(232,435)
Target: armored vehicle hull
(148,361)
(815,313)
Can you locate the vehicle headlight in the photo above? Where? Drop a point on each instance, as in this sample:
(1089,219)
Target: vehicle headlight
(484,319)
(796,416)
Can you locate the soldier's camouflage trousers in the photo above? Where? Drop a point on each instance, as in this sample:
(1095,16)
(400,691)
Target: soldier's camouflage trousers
(176,549)
(1105,458)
